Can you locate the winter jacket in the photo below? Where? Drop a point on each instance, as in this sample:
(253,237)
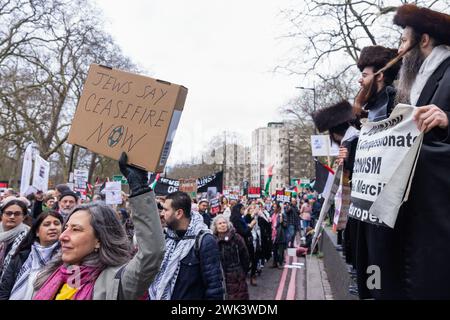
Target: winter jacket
(10,275)
(424,219)
(235,261)
(131,281)
(200,276)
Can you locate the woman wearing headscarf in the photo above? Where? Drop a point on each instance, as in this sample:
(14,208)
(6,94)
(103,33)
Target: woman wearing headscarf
(234,256)
(12,229)
(95,262)
(33,253)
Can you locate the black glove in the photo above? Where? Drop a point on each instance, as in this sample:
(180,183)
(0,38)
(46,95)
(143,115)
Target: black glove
(137,178)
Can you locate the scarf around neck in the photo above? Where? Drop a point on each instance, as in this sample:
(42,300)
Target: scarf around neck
(429,65)
(176,250)
(8,236)
(37,259)
(80,277)
(14,237)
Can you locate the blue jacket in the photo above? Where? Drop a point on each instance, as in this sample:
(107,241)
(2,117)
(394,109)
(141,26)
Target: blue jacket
(200,277)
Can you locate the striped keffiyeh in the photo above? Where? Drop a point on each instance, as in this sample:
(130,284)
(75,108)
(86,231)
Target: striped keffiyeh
(176,249)
(38,258)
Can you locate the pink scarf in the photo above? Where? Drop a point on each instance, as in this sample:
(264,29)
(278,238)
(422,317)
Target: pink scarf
(274,225)
(80,277)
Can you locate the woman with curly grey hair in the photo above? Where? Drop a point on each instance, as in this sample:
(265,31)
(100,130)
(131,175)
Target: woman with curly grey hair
(95,262)
(234,256)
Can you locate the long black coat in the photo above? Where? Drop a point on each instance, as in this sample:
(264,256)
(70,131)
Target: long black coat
(379,245)
(235,263)
(425,218)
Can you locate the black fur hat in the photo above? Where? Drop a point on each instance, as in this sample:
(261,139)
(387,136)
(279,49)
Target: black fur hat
(332,116)
(424,20)
(375,56)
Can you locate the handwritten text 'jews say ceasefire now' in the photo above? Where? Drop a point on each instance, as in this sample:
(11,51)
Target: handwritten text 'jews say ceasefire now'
(116,109)
(117,134)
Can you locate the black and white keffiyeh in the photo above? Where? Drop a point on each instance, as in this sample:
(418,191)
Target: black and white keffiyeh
(38,258)
(176,249)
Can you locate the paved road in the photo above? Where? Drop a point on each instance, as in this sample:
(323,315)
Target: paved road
(288,283)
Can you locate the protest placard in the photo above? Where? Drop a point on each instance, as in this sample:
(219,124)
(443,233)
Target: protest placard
(80,179)
(254,192)
(113,192)
(283,196)
(40,174)
(214,205)
(27,168)
(321,146)
(385,160)
(120,111)
(329,195)
(189,186)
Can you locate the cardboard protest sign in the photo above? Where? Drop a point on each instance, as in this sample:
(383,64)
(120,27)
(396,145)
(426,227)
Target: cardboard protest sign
(321,146)
(40,174)
(385,160)
(189,186)
(120,111)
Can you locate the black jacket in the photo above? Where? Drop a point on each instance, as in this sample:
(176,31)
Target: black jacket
(200,276)
(425,217)
(10,276)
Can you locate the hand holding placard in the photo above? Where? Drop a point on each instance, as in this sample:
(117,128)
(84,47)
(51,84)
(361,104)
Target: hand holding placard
(137,178)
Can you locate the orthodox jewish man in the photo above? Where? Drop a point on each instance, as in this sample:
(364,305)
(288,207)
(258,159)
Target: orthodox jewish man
(425,82)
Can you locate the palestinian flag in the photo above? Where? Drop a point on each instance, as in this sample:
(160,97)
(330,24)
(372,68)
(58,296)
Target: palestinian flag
(324,177)
(153,185)
(89,190)
(269,180)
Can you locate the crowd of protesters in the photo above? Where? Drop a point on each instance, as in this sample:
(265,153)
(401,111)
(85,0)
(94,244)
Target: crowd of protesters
(57,246)
(77,248)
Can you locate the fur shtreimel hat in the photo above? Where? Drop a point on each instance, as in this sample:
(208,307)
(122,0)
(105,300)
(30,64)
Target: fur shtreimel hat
(423,20)
(375,56)
(332,116)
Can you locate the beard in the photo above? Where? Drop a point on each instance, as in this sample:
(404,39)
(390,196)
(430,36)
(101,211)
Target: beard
(411,64)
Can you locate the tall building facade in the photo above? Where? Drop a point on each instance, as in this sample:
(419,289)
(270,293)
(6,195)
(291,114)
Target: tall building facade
(280,145)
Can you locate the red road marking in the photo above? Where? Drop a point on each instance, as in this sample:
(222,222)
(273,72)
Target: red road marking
(282,280)
(292,283)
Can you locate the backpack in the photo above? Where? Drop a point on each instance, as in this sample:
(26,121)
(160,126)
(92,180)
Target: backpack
(197,245)
(198,241)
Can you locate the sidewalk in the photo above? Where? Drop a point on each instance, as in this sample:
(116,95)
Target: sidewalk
(317,284)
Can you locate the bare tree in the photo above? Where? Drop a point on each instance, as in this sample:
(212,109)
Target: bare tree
(331,34)
(46,48)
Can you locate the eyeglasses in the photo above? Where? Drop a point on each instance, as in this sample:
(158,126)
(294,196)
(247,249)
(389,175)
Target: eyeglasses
(12,213)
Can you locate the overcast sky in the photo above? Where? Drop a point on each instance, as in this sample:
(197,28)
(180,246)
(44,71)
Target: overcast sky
(223,51)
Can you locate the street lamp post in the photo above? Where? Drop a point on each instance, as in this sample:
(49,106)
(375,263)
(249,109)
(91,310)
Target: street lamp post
(314,101)
(289,158)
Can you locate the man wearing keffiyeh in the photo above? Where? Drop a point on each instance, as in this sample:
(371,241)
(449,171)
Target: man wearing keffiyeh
(187,272)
